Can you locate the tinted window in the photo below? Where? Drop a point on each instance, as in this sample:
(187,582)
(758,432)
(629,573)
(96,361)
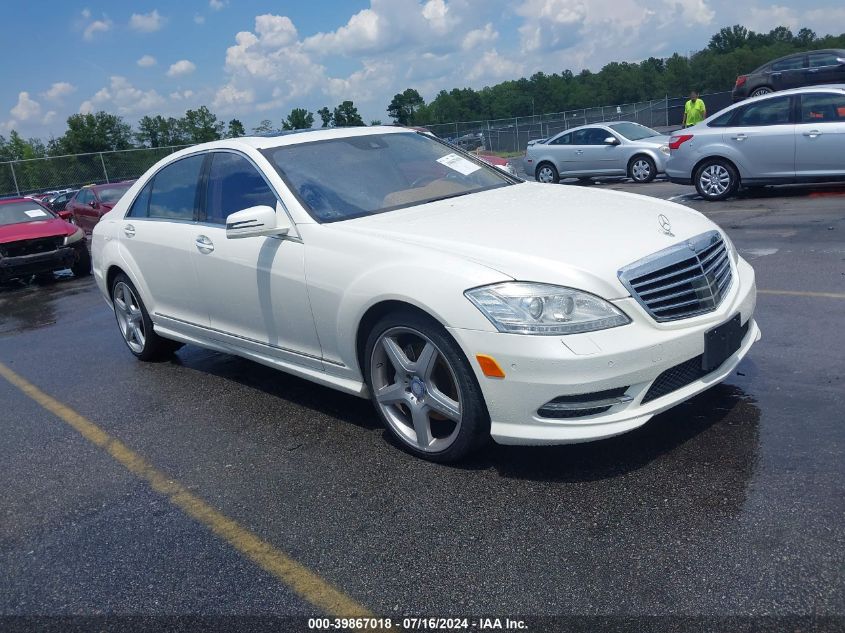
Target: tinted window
(25,211)
(767,112)
(791,63)
(822,108)
(818,60)
(234,185)
(722,120)
(111,195)
(174,192)
(141,207)
(565,139)
(85,196)
(591,136)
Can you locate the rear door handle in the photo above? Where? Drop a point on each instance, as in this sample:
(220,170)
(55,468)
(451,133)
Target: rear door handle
(813,133)
(129,230)
(204,244)
(740,137)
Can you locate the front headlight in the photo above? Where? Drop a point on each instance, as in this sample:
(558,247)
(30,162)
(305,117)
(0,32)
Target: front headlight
(72,239)
(665,149)
(531,308)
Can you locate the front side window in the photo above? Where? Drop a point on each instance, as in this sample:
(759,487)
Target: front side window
(822,108)
(350,177)
(791,63)
(174,192)
(85,197)
(819,60)
(234,184)
(767,112)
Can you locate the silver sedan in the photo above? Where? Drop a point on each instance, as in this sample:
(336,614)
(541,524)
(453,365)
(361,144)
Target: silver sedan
(791,136)
(622,148)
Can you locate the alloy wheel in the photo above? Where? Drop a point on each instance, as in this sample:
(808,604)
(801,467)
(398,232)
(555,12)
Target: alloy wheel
(714,180)
(130,318)
(416,389)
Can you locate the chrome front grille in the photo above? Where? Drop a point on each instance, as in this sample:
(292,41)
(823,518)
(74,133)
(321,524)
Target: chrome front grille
(683,280)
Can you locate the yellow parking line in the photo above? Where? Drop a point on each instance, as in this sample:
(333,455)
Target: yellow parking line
(302,580)
(803,293)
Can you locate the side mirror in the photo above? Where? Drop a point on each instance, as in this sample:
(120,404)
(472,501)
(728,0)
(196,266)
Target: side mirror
(256,222)
(65,215)
(611,140)
(93,204)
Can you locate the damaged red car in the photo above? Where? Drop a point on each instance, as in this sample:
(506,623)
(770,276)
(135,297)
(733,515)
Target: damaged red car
(34,240)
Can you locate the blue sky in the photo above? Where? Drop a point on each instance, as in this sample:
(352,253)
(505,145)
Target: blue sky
(254,59)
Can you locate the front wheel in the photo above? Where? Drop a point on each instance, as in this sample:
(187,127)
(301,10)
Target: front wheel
(424,389)
(547,173)
(135,324)
(716,180)
(642,169)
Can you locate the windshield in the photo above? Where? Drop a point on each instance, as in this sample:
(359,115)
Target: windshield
(345,178)
(18,212)
(633,131)
(111,195)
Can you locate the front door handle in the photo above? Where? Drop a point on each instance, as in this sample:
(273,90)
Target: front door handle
(813,133)
(740,137)
(578,152)
(129,230)
(204,244)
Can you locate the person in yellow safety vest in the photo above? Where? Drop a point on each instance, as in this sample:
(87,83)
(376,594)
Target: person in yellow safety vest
(694,110)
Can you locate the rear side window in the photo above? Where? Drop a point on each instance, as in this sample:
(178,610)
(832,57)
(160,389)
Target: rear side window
(818,60)
(822,108)
(141,207)
(723,120)
(234,184)
(174,192)
(767,112)
(791,63)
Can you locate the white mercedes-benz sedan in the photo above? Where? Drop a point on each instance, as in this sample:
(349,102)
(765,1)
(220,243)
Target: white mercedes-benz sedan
(467,304)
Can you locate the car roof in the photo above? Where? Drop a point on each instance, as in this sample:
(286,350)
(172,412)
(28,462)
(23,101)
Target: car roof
(836,51)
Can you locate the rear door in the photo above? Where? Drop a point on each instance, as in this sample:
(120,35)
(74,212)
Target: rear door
(820,136)
(763,136)
(825,68)
(157,236)
(789,72)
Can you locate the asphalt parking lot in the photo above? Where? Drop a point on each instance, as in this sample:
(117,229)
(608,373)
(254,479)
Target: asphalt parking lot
(214,486)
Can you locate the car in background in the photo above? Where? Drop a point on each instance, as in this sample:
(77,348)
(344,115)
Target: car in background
(92,202)
(497,161)
(622,148)
(34,240)
(464,302)
(792,136)
(793,71)
(58,202)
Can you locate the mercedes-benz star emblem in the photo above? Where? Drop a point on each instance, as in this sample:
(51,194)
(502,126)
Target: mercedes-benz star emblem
(665,224)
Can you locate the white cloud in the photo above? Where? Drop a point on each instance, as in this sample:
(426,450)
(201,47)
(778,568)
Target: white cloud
(121,96)
(26,108)
(58,90)
(49,117)
(199,19)
(217,5)
(181,68)
(183,95)
(826,20)
(146,61)
(477,37)
(86,13)
(493,66)
(97,26)
(147,22)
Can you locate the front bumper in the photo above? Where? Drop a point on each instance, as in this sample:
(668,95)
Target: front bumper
(539,369)
(25,265)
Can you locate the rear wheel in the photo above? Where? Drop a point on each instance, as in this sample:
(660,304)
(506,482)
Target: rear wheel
(762,90)
(716,179)
(547,173)
(642,169)
(424,389)
(135,324)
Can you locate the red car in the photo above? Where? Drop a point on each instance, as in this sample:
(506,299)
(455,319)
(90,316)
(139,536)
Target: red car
(35,240)
(93,202)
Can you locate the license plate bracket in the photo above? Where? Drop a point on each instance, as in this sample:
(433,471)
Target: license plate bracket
(721,342)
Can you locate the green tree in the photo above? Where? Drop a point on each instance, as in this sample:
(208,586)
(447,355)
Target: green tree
(97,132)
(404,106)
(265,127)
(201,126)
(346,115)
(326,117)
(160,132)
(298,119)
(236,129)
(375,122)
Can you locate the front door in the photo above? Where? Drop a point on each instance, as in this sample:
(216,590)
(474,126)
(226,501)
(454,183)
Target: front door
(254,287)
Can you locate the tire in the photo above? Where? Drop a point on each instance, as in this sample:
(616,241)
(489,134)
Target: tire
(435,411)
(82,267)
(135,324)
(761,90)
(641,169)
(547,173)
(716,179)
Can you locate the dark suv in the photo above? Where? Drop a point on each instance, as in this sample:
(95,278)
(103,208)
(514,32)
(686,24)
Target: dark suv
(793,71)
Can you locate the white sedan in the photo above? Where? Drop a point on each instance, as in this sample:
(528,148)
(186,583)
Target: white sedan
(467,304)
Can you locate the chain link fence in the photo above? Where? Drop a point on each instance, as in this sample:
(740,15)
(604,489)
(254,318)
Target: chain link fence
(513,134)
(59,172)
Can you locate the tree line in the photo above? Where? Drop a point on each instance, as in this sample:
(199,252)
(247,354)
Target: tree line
(730,52)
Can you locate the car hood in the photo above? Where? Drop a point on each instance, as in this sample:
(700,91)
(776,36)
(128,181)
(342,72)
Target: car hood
(571,236)
(53,227)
